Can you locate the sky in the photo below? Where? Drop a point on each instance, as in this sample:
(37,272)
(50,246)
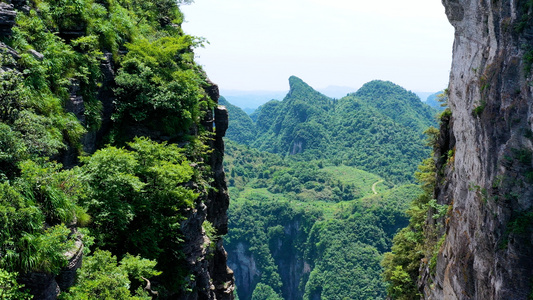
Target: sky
(259,44)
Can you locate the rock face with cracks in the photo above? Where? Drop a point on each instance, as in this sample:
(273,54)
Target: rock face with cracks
(487,251)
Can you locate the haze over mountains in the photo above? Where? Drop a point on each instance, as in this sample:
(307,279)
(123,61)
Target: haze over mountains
(249,101)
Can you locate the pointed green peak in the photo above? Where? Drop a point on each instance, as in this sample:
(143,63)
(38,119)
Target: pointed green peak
(298,85)
(295,80)
(300,89)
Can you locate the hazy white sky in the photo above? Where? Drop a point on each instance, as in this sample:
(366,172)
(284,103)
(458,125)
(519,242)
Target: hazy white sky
(258,44)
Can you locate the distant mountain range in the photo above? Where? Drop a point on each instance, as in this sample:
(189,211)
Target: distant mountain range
(249,101)
(365,128)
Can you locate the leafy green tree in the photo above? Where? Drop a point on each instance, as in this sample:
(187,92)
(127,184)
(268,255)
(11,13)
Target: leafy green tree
(137,199)
(401,265)
(42,193)
(264,292)
(102,278)
(159,86)
(10,289)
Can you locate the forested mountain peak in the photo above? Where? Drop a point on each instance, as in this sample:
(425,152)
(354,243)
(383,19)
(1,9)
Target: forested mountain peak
(334,181)
(363,129)
(384,87)
(394,101)
(301,90)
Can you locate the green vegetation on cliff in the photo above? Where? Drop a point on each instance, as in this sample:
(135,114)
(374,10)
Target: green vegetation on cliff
(419,243)
(130,196)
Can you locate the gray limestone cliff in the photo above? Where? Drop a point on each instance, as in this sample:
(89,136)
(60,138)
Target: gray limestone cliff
(292,267)
(487,180)
(213,278)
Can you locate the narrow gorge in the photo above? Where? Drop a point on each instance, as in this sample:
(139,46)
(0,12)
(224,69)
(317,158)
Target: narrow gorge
(116,170)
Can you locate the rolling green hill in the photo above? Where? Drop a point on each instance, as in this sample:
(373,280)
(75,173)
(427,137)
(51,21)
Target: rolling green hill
(434,101)
(242,129)
(402,106)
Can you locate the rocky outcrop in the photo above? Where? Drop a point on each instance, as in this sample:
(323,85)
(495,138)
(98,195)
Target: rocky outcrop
(287,256)
(212,277)
(247,272)
(7,18)
(487,251)
(291,265)
(46,286)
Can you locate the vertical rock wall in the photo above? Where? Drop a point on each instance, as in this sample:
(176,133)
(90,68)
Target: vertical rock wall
(488,179)
(213,279)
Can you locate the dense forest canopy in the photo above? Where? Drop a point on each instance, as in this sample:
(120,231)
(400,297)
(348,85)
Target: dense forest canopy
(378,129)
(102,147)
(314,221)
(107,145)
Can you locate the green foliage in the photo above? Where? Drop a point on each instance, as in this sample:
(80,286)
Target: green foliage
(10,289)
(356,213)
(433,261)
(45,252)
(476,112)
(133,199)
(159,85)
(402,106)
(211,233)
(521,223)
(438,100)
(265,292)
(346,260)
(306,180)
(265,115)
(137,199)
(416,241)
(298,122)
(12,150)
(241,127)
(366,129)
(41,122)
(102,278)
(12,97)
(370,140)
(342,241)
(256,223)
(42,192)
(55,191)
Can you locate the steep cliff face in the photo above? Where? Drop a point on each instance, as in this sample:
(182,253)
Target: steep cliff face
(202,253)
(213,279)
(487,251)
(249,264)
